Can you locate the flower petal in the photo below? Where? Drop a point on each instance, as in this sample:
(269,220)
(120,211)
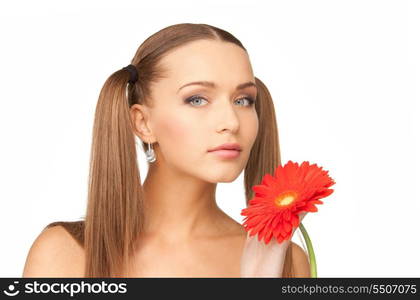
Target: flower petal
(295,221)
(287,215)
(262,190)
(287,227)
(268,237)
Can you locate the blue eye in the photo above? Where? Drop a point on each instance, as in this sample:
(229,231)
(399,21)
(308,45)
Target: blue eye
(190,100)
(193,98)
(249,99)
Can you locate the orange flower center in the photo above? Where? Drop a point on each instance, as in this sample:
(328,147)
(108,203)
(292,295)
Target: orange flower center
(285,198)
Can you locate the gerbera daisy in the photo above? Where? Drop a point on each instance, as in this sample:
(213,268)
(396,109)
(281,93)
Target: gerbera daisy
(274,211)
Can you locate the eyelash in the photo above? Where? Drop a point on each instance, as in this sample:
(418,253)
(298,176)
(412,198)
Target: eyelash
(192,98)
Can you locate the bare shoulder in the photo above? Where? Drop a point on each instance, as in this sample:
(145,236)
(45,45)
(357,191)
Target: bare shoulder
(54,253)
(300,261)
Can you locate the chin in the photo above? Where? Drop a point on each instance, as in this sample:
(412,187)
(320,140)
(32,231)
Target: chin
(225,177)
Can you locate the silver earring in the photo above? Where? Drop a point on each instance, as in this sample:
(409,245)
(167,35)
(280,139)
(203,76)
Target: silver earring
(150,155)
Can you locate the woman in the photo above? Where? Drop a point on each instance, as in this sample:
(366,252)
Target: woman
(189,89)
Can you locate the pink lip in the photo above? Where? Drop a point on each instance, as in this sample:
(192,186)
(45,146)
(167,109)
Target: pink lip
(226,153)
(227,146)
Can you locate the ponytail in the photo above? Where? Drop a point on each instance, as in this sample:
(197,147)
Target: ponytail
(114,210)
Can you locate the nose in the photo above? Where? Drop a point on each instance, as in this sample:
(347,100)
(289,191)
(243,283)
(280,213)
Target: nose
(228,118)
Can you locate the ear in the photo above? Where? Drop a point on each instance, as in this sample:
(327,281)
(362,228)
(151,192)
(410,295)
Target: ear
(141,123)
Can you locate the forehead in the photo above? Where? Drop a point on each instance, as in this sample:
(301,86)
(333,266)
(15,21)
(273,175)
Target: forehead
(224,63)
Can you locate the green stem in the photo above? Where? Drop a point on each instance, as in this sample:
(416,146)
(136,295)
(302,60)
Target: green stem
(311,253)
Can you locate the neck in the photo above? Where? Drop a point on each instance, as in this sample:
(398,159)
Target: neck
(179,206)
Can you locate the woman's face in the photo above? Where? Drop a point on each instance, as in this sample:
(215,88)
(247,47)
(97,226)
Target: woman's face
(185,122)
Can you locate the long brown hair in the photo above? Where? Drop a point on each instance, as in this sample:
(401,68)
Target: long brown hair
(115,198)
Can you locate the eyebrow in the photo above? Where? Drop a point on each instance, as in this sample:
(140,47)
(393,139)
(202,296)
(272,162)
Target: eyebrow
(213,85)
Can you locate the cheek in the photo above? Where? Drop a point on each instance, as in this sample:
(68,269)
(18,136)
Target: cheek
(177,138)
(251,129)
(173,128)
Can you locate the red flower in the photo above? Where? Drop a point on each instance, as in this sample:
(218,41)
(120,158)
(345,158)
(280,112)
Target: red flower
(274,211)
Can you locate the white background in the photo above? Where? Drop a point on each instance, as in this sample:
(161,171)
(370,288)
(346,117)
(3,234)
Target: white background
(344,76)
